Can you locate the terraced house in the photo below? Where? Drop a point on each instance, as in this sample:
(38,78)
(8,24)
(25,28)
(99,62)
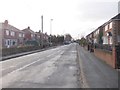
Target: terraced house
(11,36)
(105,41)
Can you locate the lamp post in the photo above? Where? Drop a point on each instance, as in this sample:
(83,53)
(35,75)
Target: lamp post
(50,29)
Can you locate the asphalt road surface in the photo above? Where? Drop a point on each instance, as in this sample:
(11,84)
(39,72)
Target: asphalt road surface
(67,66)
(54,68)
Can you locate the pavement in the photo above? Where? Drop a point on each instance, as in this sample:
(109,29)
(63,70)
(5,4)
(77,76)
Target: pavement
(54,68)
(94,72)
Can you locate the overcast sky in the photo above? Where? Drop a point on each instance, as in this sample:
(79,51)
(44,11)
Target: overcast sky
(76,17)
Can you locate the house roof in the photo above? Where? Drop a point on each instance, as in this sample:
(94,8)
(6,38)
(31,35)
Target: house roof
(29,30)
(10,27)
(117,16)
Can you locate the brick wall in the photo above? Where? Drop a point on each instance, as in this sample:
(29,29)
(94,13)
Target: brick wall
(106,56)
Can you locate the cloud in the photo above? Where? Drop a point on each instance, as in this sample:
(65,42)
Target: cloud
(69,16)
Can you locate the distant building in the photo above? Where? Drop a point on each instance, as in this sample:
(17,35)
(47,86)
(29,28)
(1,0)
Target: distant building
(29,34)
(97,35)
(41,37)
(67,37)
(38,37)
(46,39)
(30,37)
(11,36)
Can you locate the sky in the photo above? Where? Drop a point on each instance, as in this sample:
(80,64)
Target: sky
(75,17)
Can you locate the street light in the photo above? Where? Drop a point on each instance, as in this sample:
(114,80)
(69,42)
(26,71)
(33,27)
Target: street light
(51,26)
(50,29)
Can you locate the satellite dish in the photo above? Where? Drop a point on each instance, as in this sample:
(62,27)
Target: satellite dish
(109,34)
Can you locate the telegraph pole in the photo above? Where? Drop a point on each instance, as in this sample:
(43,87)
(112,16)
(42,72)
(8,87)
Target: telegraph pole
(42,30)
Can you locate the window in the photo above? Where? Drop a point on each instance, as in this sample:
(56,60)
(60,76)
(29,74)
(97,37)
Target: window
(95,40)
(23,35)
(105,40)
(20,35)
(111,40)
(118,38)
(31,35)
(7,32)
(98,31)
(110,25)
(106,27)
(12,33)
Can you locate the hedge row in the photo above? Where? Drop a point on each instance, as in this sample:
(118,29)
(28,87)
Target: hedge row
(14,50)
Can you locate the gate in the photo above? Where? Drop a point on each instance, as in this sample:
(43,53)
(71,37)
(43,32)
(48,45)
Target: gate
(118,56)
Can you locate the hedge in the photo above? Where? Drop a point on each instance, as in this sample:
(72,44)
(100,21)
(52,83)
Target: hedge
(15,50)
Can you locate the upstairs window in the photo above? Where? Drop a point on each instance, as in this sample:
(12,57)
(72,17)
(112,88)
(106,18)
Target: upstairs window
(31,35)
(12,33)
(7,32)
(106,27)
(20,35)
(23,35)
(110,25)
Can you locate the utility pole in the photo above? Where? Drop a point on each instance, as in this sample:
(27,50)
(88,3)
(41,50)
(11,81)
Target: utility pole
(50,29)
(42,30)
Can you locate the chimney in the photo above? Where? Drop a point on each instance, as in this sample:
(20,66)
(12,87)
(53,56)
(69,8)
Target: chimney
(6,22)
(28,27)
(39,31)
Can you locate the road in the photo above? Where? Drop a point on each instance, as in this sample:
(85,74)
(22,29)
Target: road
(54,68)
(67,66)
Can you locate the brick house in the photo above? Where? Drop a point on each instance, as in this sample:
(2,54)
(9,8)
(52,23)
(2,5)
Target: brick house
(46,37)
(38,37)
(107,36)
(30,37)
(107,29)
(11,36)
(111,31)
(107,33)
(90,37)
(98,35)
(29,34)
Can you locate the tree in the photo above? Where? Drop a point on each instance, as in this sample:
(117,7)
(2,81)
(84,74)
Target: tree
(83,41)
